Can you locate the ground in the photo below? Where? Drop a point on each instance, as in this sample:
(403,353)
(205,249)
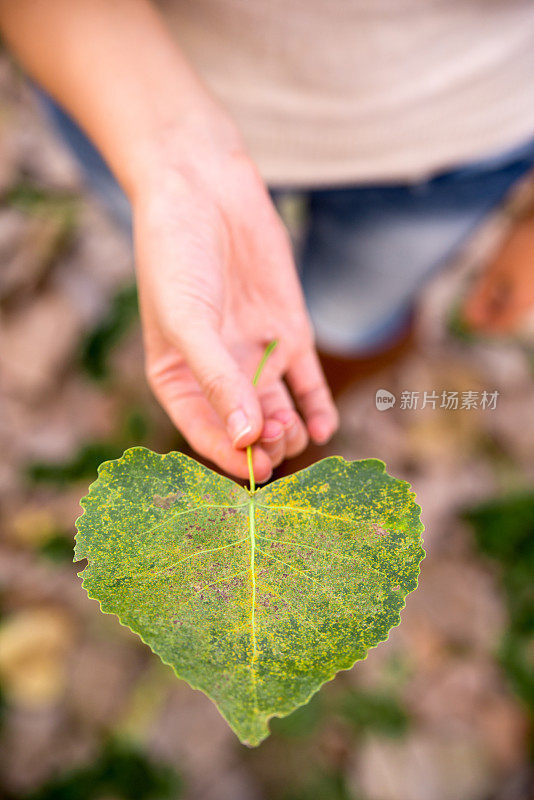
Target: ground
(443,710)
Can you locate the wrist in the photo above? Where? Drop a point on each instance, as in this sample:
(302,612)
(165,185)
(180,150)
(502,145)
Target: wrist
(184,146)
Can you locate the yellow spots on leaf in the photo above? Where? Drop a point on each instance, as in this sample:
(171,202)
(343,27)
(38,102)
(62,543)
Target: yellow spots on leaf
(258,599)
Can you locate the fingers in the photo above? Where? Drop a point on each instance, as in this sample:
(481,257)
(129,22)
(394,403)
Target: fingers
(307,382)
(201,426)
(226,387)
(216,407)
(273,441)
(284,434)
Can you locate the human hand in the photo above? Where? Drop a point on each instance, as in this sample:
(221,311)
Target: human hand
(216,276)
(503,296)
(217,282)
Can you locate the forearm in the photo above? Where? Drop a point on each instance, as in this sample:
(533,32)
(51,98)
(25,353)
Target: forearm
(215,271)
(117,71)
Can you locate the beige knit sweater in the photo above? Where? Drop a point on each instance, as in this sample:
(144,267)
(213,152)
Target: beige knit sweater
(340,91)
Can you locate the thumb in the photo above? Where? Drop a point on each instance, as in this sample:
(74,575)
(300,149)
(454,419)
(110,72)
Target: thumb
(226,387)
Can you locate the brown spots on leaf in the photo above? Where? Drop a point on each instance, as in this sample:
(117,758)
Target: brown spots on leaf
(378,530)
(168,501)
(301,578)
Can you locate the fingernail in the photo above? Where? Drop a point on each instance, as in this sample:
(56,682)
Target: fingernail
(238,426)
(272,430)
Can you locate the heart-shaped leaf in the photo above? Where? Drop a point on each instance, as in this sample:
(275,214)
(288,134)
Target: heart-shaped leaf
(255,598)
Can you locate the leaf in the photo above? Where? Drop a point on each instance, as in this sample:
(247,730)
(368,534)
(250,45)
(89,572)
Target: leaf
(255,598)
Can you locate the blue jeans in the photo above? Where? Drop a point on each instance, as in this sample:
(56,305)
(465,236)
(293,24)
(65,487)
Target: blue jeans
(367,250)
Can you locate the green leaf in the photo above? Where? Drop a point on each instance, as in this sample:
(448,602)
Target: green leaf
(255,598)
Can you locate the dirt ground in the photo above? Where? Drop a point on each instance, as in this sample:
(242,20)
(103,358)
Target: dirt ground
(435,713)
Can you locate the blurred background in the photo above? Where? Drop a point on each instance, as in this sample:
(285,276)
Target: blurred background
(442,711)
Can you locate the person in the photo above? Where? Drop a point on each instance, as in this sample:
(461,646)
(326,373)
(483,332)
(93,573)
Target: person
(403,124)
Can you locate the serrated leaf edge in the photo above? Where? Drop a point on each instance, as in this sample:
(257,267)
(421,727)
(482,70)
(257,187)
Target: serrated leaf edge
(396,618)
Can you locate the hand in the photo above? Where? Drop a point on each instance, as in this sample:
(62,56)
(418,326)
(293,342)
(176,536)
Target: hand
(504,294)
(217,282)
(216,277)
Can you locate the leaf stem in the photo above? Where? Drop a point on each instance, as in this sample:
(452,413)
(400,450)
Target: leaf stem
(252,486)
(266,353)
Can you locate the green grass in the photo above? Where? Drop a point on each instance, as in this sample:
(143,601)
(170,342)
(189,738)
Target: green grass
(504,532)
(120,772)
(108,332)
(135,430)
